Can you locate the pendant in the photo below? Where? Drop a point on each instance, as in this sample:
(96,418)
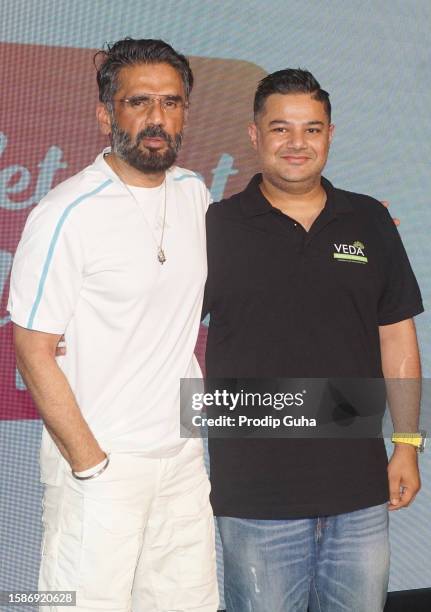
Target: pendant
(161,255)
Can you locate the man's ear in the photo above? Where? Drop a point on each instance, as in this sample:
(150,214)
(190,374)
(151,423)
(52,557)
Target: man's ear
(186,115)
(252,132)
(103,119)
(331,132)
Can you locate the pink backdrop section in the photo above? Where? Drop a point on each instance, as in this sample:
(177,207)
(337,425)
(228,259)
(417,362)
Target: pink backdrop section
(48,132)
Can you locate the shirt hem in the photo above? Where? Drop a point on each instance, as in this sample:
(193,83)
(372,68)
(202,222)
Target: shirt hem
(298,512)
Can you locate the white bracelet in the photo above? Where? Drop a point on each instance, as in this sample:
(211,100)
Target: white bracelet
(104,464)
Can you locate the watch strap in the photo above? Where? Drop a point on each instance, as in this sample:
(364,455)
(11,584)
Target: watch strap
(416,439)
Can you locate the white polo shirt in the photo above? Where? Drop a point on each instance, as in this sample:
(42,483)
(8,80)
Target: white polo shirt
(87,266)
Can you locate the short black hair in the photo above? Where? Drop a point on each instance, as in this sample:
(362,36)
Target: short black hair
(290,81)
(130,51)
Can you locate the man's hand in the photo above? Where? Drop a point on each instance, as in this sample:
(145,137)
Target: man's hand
(386,205)
(403,475)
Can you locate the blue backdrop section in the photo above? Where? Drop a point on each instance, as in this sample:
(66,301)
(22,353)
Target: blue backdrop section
(373,59)
(20,506)
(20,512)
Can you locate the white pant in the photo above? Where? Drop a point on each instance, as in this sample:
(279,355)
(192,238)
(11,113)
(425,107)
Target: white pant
(138,537)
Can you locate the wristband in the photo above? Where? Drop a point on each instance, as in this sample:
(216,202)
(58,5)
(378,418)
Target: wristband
(93,472)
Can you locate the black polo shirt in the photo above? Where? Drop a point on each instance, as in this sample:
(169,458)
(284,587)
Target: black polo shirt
(289,303)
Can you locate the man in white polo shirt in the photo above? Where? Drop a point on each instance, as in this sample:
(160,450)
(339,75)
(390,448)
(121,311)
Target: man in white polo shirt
(114,257)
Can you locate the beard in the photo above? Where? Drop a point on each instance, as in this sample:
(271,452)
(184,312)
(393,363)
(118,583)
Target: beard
(145,161)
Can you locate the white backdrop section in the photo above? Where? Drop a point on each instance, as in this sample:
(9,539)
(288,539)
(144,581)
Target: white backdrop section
(373,58)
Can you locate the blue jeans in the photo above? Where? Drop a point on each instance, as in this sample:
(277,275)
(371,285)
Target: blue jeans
(331,564)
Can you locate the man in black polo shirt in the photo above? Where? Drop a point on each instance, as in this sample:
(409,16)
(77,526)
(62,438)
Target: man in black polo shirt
(306,280)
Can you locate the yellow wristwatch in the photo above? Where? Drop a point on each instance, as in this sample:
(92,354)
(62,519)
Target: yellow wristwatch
(415,439)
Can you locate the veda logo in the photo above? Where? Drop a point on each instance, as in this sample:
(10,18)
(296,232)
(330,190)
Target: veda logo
(351,252)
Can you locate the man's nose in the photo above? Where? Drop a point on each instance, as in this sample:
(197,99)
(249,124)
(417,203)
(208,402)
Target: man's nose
(297,139)
(155,113)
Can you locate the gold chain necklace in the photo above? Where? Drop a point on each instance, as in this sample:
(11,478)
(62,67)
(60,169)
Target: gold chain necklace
(161,257)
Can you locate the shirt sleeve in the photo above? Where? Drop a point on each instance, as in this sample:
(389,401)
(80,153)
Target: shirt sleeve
(209,198)
(401,297)
(211,240)
(206,195)
(205,306)
(47,271)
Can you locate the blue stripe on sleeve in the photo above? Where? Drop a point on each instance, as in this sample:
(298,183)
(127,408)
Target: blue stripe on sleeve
(53,244)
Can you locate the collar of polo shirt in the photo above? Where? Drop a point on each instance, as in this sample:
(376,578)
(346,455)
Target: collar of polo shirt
(254,203)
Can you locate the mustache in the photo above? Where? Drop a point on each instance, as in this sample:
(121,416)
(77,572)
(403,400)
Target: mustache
(153,131)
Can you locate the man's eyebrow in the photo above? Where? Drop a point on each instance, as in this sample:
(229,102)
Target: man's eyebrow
(173,97)
(284,122)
